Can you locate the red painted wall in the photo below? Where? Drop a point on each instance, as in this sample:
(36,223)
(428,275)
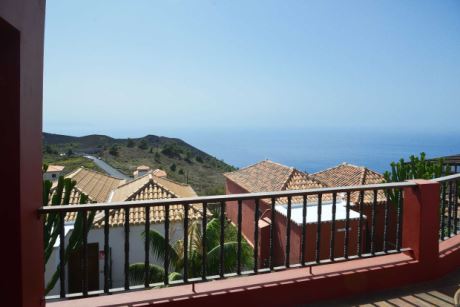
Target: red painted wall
(21,74)
(379,225)
(296,233)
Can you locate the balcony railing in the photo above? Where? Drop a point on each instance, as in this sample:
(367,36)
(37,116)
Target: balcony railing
(449,219)
(306,228)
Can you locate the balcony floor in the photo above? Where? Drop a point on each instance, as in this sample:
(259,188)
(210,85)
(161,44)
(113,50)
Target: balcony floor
(439,292)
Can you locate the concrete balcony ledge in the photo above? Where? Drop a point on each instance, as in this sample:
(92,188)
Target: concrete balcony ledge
(289,287)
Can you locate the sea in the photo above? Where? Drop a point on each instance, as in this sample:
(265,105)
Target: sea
(317,148)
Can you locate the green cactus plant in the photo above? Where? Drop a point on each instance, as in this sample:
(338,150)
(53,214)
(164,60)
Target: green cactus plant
(415,168)
(60,196)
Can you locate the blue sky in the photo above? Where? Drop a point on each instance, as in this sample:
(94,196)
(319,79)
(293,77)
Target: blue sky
(130,68)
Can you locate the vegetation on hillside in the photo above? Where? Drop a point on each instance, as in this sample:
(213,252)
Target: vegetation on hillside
(182,162)
(70,162)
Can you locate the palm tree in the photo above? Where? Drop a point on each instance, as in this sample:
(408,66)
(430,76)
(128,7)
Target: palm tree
(195,253)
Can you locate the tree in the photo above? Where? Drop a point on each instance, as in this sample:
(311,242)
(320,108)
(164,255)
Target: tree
(70,152)
(188,157)
(173,167)
(195,253)
(60,195)
(114,151)
(143,145)
(199,159)
(151,150)
(172,151)
(130,143)
(50,150)
(157,157)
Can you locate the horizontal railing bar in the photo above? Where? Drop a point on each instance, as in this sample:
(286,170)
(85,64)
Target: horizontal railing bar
(220,198)
(447,178)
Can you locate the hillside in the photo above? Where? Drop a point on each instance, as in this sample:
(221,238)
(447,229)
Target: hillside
(182,162)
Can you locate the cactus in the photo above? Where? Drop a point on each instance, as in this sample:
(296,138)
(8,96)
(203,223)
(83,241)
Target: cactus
(52,222)
(415,168)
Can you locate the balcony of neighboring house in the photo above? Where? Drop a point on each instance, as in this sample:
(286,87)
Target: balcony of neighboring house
(302,242)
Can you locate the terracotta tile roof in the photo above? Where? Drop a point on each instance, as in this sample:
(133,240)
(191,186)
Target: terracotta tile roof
(267,176)
(264,176)
(103,188)
(149,187)
(351,175)
(301,181)
(96,185)
(159,173)
(143,168)
(54,168)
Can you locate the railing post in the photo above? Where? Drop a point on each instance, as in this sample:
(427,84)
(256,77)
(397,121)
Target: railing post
(421,220)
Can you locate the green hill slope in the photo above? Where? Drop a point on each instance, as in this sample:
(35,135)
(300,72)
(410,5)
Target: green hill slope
(182,162)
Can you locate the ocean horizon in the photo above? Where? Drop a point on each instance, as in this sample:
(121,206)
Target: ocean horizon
(312,150)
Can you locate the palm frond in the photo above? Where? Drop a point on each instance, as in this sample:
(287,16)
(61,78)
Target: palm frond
(137,273)
(174,276)
(157,246)
(230,257)
(194,239)
(212,233)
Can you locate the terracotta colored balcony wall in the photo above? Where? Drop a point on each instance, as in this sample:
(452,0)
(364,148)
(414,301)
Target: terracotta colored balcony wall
(21,83)
(425,260)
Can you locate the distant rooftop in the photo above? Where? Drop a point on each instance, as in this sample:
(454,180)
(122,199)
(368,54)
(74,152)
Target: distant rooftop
(268,176)
(54,168)
(143,168)
(347,174)
(103,188)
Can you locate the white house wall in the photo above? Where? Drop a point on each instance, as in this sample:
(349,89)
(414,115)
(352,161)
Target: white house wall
(117,245)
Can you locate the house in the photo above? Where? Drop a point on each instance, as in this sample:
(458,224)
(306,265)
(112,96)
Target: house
(346,174)
(53,172)
(159,173)
(268,176)
(141,170)
(103,188)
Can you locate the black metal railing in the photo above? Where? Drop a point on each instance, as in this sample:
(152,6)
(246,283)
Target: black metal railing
(451,167)
(335,224)
(448,200)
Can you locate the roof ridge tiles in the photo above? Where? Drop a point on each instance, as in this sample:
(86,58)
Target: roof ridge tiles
(257,163)
(329,168)
(173,181)
(286,182)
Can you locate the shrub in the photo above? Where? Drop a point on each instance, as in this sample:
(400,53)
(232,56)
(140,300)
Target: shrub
(143,145)
(130,143)
(114,150)
(172,151)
